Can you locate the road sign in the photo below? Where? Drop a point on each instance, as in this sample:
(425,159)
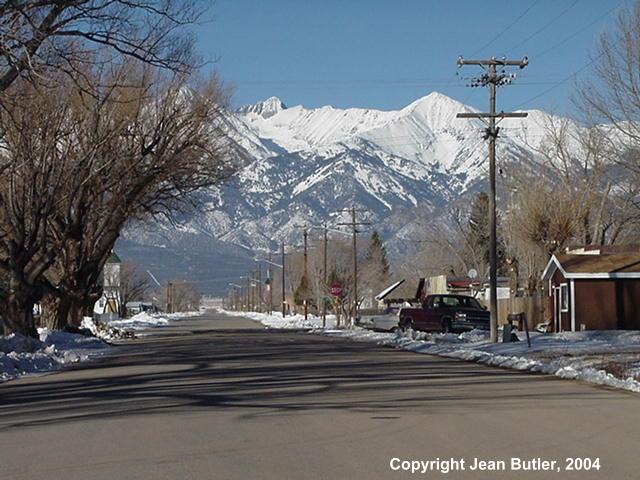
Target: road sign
(336,289)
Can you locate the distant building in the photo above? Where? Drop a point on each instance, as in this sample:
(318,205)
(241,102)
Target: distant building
(108,306)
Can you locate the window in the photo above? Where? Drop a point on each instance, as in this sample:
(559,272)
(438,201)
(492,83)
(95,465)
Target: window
(564,297)
(433,302)
(450,302)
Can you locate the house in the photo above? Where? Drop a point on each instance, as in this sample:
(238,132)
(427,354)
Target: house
(108,306)
(594,289)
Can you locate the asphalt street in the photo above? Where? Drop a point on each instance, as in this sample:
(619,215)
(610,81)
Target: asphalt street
(219,397)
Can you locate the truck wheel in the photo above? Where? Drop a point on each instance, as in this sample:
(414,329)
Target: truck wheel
(446,325)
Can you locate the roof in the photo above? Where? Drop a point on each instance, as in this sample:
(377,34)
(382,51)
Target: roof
(614,265)
(404,291)
(388,290)
(114,258)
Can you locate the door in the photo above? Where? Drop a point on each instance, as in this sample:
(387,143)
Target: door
(557,309)
(433,313)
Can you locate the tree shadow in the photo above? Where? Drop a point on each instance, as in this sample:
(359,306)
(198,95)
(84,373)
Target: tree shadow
(266,372)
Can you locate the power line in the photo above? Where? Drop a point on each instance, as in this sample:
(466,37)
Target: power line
(547,25)
(564,80)
(572,74)
(506,29)
(574,34)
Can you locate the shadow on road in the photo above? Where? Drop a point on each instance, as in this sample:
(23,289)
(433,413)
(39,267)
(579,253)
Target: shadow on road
(267,373)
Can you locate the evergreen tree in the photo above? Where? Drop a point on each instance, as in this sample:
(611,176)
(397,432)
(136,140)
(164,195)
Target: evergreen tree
(376,273)
(377,257)
(303,292)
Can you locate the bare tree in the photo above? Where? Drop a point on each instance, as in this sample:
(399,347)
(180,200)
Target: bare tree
(185,296)
(37,137)
(78,167)
(36,36)
(570,199)
(159,142)
(134,285)
(610,103)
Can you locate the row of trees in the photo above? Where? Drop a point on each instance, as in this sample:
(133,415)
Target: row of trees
(585,189)
(102,123)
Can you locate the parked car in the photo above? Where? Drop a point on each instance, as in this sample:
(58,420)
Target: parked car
(386,321)
(445,313)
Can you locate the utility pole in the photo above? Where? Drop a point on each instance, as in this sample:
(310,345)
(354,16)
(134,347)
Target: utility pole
(259,287)
(354,224)
(284,296)
(305,273)
(237,289)
(249,293)
(270,277)
(169,297)
(325,242)
(493,79)
(324,273)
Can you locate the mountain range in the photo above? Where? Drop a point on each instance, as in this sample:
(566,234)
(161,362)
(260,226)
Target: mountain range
(301,166)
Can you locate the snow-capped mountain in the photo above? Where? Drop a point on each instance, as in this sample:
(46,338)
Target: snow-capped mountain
(267,108)
(301,165)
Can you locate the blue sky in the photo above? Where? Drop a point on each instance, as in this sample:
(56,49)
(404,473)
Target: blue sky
(385,54)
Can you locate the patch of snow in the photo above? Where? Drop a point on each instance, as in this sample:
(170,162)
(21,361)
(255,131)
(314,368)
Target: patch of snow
(145,320)
(275,320)
(20,355)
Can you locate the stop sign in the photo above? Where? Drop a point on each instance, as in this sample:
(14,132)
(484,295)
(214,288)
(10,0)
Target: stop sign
(336,289)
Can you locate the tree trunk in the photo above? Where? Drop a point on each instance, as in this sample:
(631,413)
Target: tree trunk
(80,304)
(51,316)
(18,317)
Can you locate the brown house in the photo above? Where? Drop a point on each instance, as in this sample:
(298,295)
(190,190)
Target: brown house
(594,290)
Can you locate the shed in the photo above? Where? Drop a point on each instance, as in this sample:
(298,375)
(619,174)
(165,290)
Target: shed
(594,290)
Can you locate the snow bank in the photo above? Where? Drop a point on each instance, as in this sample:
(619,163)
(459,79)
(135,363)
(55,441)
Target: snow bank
(582,356)
(145,320)
(140,321)
(610,358)
(275,320)
(21,355)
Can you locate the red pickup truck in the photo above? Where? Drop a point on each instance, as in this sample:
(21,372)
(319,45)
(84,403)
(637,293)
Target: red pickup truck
(445,313)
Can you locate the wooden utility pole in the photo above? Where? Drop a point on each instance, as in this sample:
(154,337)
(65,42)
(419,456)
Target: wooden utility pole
(169,297)
(354,225)
(325,274)
(260,287)
(493,79)
(325,277)
(305,273)
(249,292)
(284,296)
(270,277)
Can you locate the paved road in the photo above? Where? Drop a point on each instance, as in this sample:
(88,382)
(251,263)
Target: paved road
(221,398)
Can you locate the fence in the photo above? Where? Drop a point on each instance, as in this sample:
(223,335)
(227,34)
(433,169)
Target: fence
(534,307)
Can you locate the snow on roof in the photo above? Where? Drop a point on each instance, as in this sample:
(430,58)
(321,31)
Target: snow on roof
(382,295)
